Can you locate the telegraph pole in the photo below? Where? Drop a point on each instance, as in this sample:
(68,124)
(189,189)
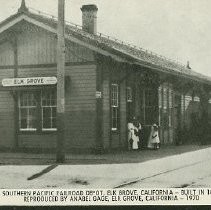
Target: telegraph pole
(60,156)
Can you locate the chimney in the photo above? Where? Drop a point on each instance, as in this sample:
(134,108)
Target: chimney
(89,18)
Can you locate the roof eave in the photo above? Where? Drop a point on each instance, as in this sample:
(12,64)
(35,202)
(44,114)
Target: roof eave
(91,44)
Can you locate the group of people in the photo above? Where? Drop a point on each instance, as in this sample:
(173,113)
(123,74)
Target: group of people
(135,138)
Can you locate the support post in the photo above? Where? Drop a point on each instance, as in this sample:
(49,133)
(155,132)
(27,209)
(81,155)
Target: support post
(60,156)
(204,104)
(16,94)
(168,111)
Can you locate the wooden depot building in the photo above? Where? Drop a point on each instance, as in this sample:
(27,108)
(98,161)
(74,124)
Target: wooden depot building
(106,83)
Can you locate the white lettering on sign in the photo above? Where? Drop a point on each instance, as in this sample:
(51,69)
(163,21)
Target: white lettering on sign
(98,94)
(11,82)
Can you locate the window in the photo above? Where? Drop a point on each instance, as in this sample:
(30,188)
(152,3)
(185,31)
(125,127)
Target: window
(27,111)
(37,110)
(165,96)
(48,104)
(129,94)
(166,105)
(114,106)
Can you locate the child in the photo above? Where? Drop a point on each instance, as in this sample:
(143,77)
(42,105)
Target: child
(154,140)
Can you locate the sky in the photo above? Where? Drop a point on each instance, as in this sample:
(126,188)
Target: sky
(177,29)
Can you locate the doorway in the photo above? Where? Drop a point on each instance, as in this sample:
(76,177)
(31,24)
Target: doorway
(177,119)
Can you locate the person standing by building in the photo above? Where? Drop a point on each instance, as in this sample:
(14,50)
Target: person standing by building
(133,134)
(137,129)
(130,128)
(154,140)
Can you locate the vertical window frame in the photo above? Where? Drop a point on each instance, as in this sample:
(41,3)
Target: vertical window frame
(51,111)
(27,107)
(115,106)
(129,94)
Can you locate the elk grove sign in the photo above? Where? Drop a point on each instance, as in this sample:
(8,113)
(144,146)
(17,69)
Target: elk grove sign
(30,81)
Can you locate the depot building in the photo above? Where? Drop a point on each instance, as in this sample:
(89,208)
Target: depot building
(106,83)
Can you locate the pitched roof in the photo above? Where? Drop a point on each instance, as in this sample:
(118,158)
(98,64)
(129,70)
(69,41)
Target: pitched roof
(128,52)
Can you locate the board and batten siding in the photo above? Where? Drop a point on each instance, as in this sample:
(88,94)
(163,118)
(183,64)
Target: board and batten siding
(37,72)
(37,46)
(6,54)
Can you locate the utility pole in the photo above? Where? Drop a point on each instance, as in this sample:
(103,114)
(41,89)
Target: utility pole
(60,156)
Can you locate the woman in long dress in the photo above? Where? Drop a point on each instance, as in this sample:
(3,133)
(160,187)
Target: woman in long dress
(133,134)
(130,128)
(154,140)
(135,138)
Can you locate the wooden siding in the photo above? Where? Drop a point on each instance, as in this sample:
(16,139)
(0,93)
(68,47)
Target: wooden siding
(33,140)
(77,53)
(123,114)
(6,73)
(115,140)
(81,107)
(37,46)
(6,54)
(44,141)
(37,72)
(80,129)
(6,120)
(106,108)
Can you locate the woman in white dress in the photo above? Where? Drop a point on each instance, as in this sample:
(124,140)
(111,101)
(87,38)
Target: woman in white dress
(133,134)
(154,140)
(135,138)
(130,128)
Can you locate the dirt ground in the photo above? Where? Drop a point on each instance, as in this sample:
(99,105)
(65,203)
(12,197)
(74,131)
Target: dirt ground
(8,158)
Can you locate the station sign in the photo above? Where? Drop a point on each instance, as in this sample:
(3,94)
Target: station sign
(29,81)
